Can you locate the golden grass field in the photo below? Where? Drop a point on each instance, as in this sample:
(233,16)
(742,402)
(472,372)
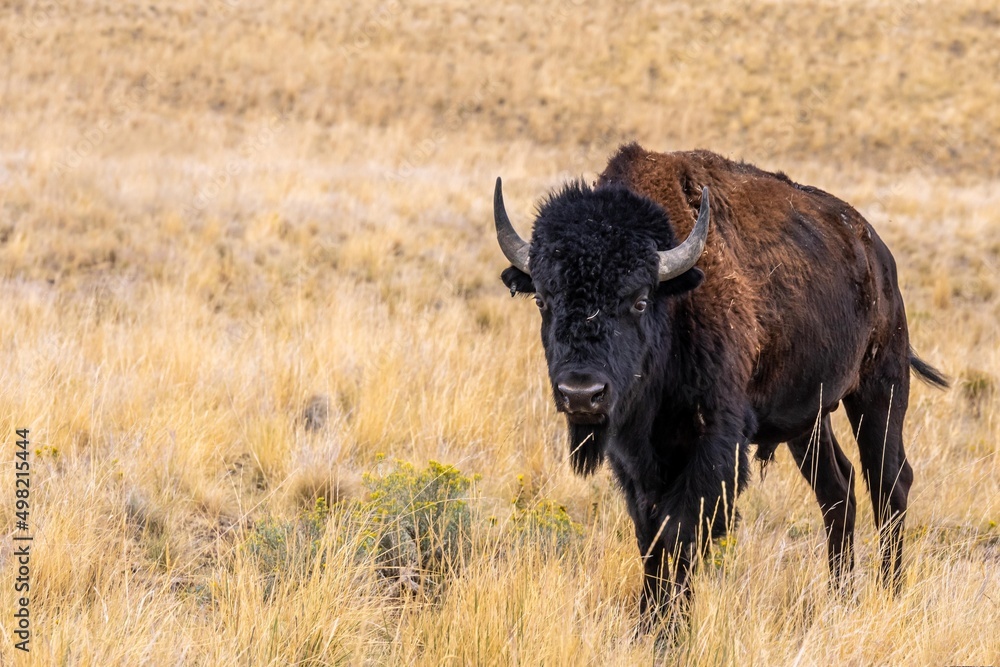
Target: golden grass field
(222,221)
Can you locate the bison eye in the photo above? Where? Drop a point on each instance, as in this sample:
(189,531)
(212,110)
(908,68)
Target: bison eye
(640,305)
(540,302)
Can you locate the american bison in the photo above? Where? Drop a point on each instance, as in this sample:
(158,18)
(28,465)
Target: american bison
(669,359)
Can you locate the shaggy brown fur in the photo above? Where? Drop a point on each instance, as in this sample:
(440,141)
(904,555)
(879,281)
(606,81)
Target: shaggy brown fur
(792,272)
(799,310)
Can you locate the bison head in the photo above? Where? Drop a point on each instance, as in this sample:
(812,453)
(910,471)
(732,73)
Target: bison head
(602,265)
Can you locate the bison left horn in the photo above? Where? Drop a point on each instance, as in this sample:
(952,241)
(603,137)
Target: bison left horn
(676,261)
(513,246)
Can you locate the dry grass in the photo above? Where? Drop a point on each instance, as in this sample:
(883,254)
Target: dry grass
(213,213)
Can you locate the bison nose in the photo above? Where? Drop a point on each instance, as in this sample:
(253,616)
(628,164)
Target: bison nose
(586,396)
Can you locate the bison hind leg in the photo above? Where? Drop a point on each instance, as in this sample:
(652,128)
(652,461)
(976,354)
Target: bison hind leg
(877,410)
(830,474)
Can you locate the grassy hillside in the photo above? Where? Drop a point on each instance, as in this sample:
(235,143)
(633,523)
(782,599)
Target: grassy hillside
(251,293)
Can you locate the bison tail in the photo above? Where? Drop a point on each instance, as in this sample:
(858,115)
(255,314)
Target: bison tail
(928,373)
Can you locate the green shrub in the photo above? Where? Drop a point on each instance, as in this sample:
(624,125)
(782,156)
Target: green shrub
(418,520)
(413,522)
(288,547)
(414,525)
(541,520)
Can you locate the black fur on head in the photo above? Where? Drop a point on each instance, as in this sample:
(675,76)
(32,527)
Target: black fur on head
(605,317)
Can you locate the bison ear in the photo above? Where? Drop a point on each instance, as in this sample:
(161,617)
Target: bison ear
(685,282)
(517,281)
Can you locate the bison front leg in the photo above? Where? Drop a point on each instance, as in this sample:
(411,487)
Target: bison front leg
(697,507)
(657,577)
(675,535)
(665,574)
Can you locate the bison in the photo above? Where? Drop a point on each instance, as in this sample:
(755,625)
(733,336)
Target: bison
(668,360)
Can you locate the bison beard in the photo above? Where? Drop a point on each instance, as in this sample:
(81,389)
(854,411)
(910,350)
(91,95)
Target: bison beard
(586,443)
(670,378)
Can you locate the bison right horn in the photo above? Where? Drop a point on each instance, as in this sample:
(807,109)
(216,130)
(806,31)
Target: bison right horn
(513,246)
(677,260)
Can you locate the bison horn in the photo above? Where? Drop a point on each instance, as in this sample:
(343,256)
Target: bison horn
(676,261)
(513,246)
